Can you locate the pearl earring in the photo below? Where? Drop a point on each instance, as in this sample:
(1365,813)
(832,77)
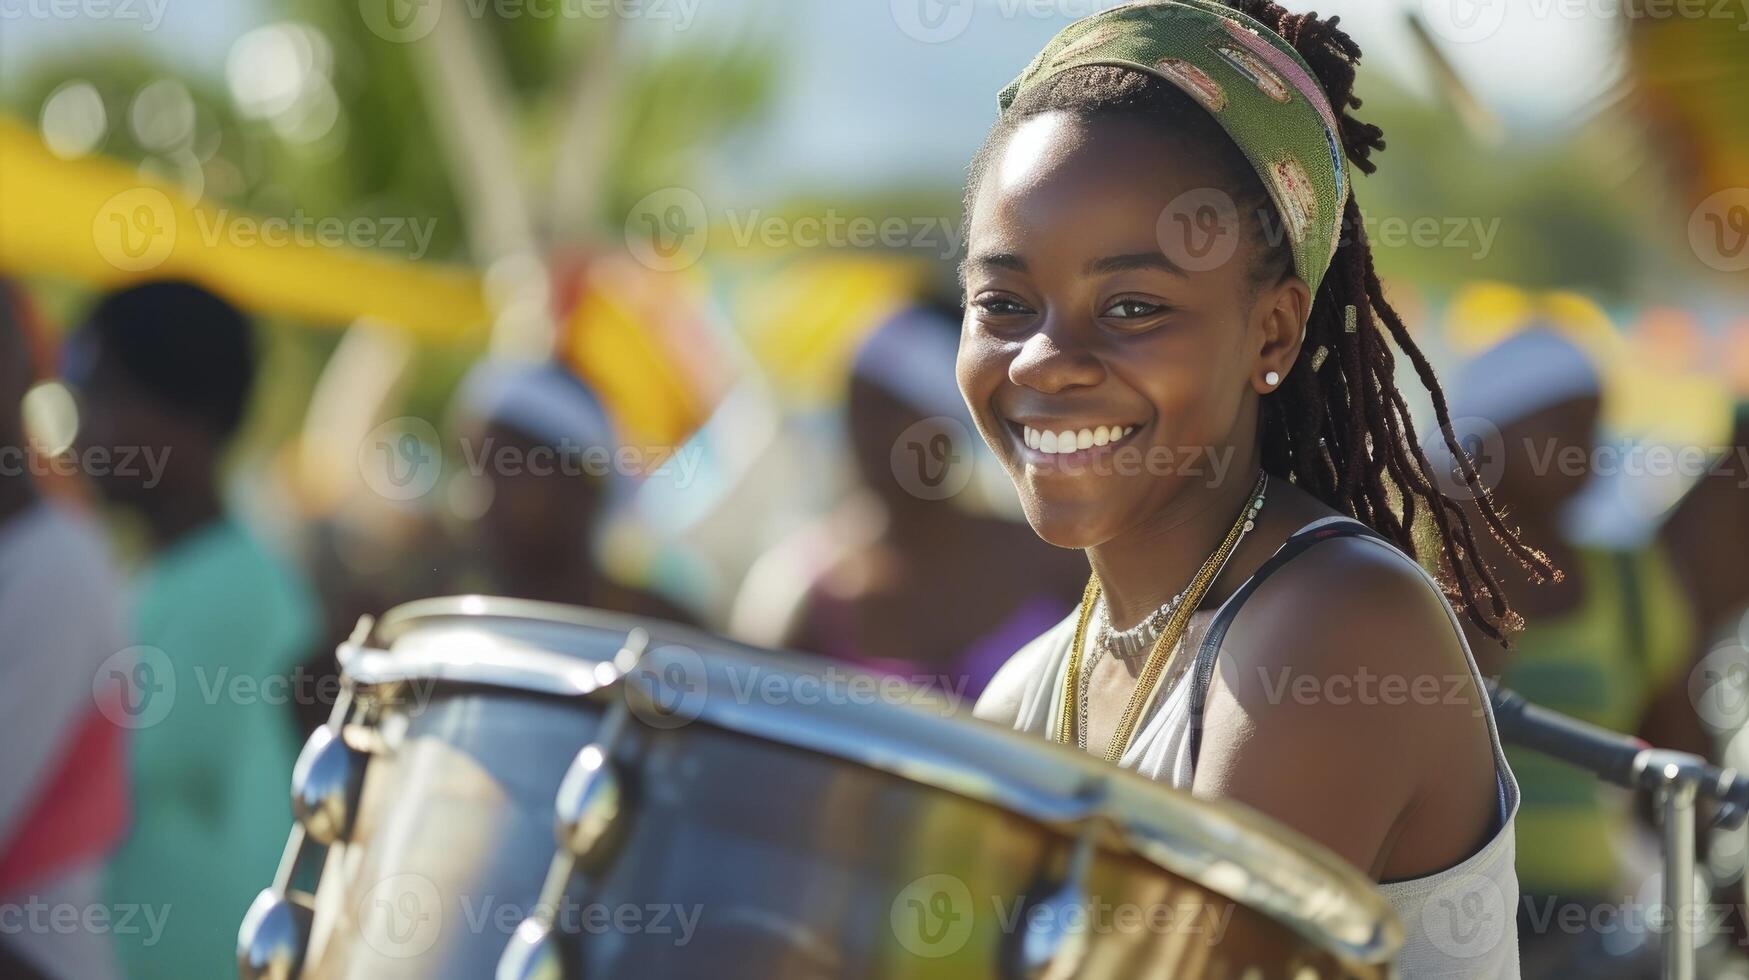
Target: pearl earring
(1272,379)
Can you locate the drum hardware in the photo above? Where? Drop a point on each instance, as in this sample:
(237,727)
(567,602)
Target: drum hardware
(1052,946)
(325,785)
(325,782)
(1676,780)
(480,705)
(276,929)
(590,803)
(327,779)
(1678,786)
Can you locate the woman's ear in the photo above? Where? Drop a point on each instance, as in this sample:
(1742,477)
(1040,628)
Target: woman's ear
(1281,312)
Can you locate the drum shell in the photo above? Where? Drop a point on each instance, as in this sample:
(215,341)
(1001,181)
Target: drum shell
(734,857)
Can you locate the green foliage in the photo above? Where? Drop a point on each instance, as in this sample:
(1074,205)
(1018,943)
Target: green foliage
(1558,217)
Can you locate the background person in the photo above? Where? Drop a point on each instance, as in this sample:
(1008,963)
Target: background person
(545,451)
(63,763)
(898,554)
(168,367)
(1609,643)
(1716,509)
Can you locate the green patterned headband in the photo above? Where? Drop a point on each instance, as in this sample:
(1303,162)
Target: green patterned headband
(1253,82)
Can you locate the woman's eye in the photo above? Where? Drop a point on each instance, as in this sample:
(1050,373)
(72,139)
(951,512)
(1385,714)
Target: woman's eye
(1133,309)
(1001,306)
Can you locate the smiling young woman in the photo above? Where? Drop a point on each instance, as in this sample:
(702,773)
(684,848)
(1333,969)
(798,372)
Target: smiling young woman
(1176,345)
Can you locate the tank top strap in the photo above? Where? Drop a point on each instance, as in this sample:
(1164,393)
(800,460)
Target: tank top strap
(1202,671)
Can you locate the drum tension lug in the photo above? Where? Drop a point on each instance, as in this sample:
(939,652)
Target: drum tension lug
(535,953)
(275,932)
(325,785)
(590,803)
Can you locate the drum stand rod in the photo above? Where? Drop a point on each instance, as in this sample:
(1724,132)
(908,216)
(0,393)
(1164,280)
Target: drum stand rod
(1676,780)
(1677,788)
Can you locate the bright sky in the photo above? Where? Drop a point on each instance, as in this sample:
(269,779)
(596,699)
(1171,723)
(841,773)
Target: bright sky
(873,101)
(881,91)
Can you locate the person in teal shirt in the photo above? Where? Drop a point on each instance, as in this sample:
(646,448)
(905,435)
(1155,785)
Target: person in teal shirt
(163,373)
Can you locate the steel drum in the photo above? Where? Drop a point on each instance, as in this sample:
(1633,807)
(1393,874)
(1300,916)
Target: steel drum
(523,790)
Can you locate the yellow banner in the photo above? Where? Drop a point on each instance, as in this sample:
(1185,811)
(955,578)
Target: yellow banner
(99,222)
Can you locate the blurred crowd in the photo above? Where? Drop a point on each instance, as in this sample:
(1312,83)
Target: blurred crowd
(149,574)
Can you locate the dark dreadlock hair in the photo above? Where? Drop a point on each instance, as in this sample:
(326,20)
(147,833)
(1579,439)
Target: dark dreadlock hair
(1343,433)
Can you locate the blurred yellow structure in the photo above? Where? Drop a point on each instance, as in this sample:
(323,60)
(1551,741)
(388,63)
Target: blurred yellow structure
(804,320)
(644,340)
(97,221)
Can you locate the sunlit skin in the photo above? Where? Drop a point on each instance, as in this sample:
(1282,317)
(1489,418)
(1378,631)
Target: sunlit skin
(1076,318)
(1069,288)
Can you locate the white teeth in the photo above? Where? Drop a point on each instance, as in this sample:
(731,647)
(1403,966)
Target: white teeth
(1072,440)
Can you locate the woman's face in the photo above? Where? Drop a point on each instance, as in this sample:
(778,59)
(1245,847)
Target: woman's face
(1101,295)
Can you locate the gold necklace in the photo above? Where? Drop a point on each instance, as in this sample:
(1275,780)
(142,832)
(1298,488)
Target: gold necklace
(1160,656)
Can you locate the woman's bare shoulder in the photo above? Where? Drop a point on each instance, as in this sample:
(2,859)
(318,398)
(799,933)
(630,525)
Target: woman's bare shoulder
(1346,662)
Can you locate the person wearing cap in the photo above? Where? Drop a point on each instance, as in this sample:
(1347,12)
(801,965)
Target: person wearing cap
(63,762)
(164,371)
(1608,644)
(1166,261)
(904,548)
(542,455)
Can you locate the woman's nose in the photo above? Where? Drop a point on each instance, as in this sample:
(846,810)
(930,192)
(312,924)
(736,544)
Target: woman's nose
(1053,359)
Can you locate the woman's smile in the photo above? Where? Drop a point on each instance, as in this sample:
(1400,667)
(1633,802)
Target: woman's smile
(1050,443)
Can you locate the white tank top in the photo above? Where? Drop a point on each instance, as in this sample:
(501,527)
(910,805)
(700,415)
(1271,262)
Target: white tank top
(1458,924)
